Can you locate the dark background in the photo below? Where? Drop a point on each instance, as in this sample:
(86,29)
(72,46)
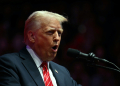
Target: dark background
(94,26)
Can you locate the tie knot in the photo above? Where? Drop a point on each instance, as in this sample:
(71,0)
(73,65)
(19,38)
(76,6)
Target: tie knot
(44,65)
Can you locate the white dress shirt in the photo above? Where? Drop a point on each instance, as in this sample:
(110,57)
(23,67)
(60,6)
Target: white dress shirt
(38,62)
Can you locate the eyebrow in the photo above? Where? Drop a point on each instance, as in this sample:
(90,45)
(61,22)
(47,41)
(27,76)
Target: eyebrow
(55,28)
(60,30)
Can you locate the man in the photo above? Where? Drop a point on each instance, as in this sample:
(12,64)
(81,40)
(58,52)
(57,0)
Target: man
(42,36)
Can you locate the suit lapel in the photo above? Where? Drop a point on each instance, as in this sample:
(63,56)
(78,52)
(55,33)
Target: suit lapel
(31,67)
(57,74)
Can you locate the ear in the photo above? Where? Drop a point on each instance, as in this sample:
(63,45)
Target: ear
(31,36)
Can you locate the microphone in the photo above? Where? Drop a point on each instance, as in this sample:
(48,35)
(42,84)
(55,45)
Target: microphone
(77,54)
(90,57)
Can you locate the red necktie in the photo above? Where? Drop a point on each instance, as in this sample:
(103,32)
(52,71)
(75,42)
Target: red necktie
(46,75)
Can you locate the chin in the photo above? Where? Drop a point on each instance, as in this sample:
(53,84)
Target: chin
(54,56)
(51,58)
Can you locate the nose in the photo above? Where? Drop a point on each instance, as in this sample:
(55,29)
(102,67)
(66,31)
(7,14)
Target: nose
(56,37)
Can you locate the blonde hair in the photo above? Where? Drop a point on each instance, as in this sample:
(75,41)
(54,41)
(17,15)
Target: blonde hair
(39,18)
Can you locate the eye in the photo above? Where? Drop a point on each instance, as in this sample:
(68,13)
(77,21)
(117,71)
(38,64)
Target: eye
(50,32)
(59,33)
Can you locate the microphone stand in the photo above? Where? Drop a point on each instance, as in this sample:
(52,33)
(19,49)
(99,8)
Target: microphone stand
(91,62)
(95,65)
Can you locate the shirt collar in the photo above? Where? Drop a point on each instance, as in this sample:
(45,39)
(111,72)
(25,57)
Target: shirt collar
(35,57)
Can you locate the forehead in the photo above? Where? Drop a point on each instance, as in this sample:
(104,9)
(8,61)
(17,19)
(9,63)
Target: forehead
(53,24)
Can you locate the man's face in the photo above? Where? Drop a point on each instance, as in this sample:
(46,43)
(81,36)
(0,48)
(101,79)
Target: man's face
(47,40)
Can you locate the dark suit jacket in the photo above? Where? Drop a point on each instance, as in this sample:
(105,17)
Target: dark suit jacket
(19,69)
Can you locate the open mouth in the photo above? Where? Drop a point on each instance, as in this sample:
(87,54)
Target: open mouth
(55,48)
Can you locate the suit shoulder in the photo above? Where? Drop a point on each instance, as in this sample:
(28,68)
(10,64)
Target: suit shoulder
(9,60)
(9,56)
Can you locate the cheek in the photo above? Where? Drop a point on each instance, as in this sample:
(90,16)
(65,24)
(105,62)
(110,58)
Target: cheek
(43,42)
(40,43)
(40,48)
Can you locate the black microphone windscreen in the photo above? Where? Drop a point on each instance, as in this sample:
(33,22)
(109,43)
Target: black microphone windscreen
(72,52)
